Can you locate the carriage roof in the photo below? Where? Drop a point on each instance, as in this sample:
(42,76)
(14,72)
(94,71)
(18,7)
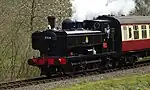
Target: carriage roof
(133,19)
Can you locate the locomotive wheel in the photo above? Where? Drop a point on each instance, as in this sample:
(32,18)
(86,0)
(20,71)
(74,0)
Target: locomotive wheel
(133,60)
(74,69)
(48,74)
(83,65)
(49,71)
(109,63)
(100,66)
(97,65)
(130,60)
(121,62)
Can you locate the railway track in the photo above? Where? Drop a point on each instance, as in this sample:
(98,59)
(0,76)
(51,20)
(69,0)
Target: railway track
(42,80)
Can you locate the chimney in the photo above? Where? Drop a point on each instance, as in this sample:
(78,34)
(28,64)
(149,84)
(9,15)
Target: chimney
(51,22)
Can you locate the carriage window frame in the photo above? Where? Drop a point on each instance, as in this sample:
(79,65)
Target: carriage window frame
(124,27)
(149,31)
(144,31)
(143,26)
(125,33)
(130,32)
(135,27)
(136,32)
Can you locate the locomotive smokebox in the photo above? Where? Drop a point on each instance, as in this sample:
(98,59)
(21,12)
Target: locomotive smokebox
(51,21)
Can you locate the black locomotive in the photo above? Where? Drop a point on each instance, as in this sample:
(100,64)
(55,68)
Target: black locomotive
(78,46)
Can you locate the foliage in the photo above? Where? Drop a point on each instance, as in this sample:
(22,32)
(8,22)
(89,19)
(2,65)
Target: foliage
(18,19)
(126,83)
(142,8)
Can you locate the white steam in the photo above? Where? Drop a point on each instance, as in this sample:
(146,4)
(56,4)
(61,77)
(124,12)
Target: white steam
(87,9)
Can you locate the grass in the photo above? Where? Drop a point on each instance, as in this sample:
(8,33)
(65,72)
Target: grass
(143,59)
(137,82)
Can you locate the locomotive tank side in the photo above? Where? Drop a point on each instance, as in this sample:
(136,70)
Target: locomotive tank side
(84,42)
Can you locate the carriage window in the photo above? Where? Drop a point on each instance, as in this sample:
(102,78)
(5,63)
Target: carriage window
(143,27)
(144,34)
(144,31)
(136,32)
(135,27)
(125,33)
(130,33)
(136,35)
(124,28)
(149,30)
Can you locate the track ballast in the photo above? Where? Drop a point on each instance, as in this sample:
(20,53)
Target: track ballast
(42,80)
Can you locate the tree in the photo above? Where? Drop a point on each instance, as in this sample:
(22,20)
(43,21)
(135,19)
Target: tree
(142,8)
(18,19)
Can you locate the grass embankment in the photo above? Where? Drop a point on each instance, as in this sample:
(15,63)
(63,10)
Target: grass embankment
(141,82)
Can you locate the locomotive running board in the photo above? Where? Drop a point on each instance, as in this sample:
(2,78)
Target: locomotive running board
(92,56)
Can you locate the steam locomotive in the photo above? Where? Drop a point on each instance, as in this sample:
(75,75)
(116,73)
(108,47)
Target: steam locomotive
(86,46)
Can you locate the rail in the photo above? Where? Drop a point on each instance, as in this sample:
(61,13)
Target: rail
(42,80)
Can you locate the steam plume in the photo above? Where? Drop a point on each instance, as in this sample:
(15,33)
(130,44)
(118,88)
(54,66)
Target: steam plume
(87,9)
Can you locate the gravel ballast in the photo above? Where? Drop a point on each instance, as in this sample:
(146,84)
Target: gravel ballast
(69,82)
